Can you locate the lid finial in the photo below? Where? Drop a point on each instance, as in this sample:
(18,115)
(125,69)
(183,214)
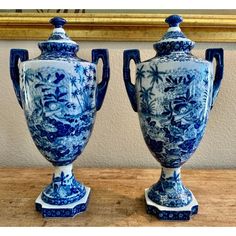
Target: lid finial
(174,39)
(174,20)
(59,41)
(58,22)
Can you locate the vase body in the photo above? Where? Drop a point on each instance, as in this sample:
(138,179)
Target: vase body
(60,96)
(174,98)
(173,95)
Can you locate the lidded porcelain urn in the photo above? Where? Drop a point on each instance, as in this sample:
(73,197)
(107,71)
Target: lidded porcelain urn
(173,95)
(60,96)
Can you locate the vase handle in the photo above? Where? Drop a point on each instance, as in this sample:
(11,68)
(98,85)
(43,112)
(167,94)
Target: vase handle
(130,88)
(15,55)
(218,54)
(102,86)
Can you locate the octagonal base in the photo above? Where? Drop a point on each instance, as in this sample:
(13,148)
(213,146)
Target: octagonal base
(69,210)
(169,213)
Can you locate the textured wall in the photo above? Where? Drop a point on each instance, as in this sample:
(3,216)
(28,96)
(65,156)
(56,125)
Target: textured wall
(117,140)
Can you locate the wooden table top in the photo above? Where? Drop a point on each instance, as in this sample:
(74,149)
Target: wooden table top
(117,197)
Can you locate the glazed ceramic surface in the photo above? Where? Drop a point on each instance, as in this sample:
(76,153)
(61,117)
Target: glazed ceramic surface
(60,96)
(173,105)
(58,99)
(173,95)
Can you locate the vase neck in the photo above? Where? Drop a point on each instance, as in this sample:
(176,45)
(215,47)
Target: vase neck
(170,172)
(67,170)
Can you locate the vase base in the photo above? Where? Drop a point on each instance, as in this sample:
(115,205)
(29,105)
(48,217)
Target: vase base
(69,210)
(169,213)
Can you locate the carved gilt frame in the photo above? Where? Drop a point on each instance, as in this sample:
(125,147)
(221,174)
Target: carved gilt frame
(117,26)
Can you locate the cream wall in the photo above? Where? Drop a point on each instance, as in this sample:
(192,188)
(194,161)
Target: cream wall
(117,140)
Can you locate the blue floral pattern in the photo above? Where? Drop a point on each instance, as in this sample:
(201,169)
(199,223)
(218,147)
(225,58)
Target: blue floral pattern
(173,35)
(170,192)
(166,48)
(173,110)
(63,190)
(173,95)
(60,109)
(59,94)
(51,50)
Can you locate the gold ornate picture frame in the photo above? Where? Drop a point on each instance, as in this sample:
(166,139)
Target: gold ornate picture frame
(117,26)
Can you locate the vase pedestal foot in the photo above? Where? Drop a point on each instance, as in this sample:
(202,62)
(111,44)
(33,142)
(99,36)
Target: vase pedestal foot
(169,213)
(69,210)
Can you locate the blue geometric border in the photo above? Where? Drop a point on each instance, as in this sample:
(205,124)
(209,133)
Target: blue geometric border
(67,210)
(172,215)
(62,212)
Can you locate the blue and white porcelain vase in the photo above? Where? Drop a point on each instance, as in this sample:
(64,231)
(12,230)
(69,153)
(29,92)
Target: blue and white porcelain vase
(60,96)
(173,95)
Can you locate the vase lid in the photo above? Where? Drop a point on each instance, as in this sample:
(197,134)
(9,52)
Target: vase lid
(174,39)
(58,41)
